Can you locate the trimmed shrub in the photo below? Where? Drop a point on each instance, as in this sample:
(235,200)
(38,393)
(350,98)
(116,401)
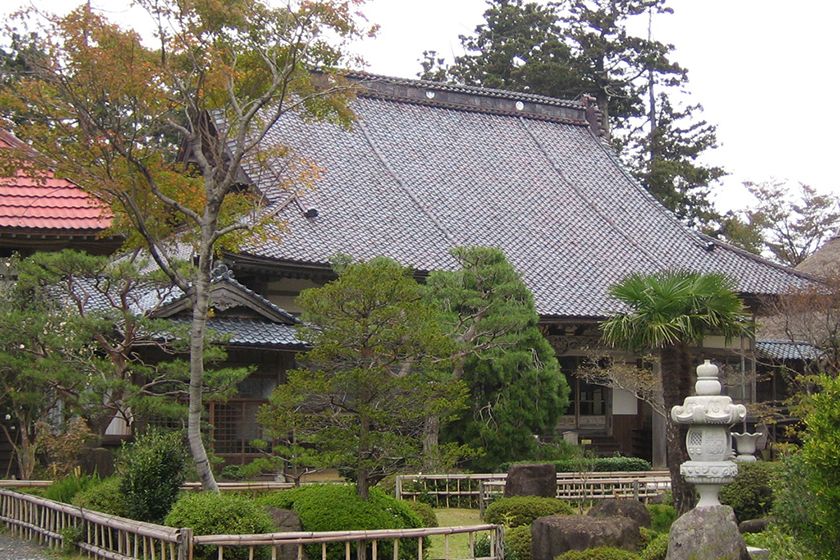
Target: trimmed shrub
(337,507)
(599,553)
(518,543)
(751,494)
(661,517)
(209,513)
(105,496)
(781,545)
(424,512)
(656,549)
(522,510)
(65,490)
(599,464)
(152,469)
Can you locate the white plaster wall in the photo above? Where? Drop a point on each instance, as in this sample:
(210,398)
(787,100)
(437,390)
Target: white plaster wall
(624,402)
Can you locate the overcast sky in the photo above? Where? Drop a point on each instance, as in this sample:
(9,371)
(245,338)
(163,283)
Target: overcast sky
(766,72)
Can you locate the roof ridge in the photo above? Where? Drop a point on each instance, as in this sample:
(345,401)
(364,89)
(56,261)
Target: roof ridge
(757,258)
(479,90)
(478,99)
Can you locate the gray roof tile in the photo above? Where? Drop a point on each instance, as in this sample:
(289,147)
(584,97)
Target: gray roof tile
(411,180)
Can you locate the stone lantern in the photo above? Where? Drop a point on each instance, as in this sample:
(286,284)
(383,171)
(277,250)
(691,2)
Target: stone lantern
(709,416)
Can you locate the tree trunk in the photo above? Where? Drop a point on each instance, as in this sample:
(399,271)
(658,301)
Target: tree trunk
(25,453)
(431,437)
(362,474)
(201,293)
(676,380)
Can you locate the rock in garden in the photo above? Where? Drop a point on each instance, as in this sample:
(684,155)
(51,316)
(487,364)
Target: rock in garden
(754,525)
(531,480)
(634,509)
(706,533)
(286,521)
(557,534)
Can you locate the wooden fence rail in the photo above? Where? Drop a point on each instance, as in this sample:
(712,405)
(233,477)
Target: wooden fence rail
(355,545)
(242,486)
(109,537)
(477,490)
(99,535)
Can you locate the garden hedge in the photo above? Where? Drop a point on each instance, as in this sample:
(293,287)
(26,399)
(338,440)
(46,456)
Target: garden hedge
(600,464)
(599,553)
(104,496)
(518,543)
(522,510)
(211,513)
(337,507)
(751,493)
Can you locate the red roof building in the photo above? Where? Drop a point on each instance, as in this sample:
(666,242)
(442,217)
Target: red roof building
(43,212)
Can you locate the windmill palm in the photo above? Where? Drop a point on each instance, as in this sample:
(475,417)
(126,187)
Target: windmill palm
(669,312)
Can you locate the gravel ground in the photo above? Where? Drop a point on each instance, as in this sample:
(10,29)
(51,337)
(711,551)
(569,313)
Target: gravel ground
(12,548)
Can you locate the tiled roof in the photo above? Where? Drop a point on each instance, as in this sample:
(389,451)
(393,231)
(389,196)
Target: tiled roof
(249,332)
(41,201)
(783,350)
(151,298)
(414,178)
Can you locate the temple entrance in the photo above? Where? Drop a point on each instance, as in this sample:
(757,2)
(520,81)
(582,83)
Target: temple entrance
(589,404)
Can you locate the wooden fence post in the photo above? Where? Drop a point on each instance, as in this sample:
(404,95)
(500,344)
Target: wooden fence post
(185,544)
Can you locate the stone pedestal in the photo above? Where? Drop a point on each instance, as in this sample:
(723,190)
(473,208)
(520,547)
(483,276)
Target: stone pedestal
(706,533)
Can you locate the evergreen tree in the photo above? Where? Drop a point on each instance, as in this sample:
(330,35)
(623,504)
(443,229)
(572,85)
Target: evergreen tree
(364,390)
(516,388)
(583,47)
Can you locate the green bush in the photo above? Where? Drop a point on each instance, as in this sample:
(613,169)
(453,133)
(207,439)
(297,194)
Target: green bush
(781,545)
(152,469)
(518,543)
(599,553)
(661,517)
(105,497)
(821,454)
(751,494)
(65,489)
(424,512)
(599,464)
(522,510)
(656,549)
(337,507)
(211,513)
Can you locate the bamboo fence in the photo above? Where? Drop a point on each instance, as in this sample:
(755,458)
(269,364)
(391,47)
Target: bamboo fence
(357,545)
(243,486)
(109,537)
(477,490)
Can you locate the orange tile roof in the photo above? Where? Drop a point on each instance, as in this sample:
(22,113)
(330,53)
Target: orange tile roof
(45,202)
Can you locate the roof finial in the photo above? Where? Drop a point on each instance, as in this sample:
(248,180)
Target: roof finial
(593,115)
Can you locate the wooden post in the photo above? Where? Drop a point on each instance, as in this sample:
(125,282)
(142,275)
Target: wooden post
(184,544)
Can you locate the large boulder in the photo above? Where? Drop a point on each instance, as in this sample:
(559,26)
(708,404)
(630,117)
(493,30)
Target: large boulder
(557,534)
(706,533)
(616,507)
(286,521)
(531,480)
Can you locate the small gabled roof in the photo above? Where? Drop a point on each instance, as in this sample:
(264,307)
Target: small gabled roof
(427,167)
(266,324)
(225,293)
(41,202)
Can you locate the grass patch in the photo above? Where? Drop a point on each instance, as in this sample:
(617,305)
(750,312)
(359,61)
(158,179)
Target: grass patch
(459,545)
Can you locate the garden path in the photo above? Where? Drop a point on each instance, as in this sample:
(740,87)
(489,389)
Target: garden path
(12,548)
